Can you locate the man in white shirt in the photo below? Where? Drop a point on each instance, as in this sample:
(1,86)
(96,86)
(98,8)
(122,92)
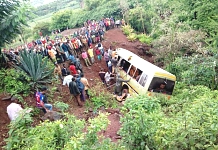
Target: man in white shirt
(13,110)
(67,80)
(107,78)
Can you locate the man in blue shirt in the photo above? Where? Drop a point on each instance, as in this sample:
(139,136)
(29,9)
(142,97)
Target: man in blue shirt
(72,58)
(43,100)
(65,48)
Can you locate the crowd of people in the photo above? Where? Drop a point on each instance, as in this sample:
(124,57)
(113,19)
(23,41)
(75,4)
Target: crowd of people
(84,44)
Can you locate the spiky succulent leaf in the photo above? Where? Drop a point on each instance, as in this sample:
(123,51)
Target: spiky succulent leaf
(36,67)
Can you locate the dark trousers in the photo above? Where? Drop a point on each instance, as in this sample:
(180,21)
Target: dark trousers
(87,93)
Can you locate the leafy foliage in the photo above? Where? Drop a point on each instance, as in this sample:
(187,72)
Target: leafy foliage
(203,15)
(132,37)
(36,68)
(100,99)
(63,134)
(174,44)
(139,116)
(14,82)
(61,105)
(144,38)
(196,70)
(60,20)
(13,17)
(18,130)
(55,6)
(43,27)
(127,29)
(188,121)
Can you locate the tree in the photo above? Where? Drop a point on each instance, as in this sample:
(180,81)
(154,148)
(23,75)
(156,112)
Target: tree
(60,20)
(202,14)
(12,17)
(43,27)
(124,8)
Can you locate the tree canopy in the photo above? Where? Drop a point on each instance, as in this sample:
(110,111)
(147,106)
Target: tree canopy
(12,17)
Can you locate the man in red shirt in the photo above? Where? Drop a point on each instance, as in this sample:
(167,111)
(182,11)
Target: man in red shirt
(73,69)
(98,53)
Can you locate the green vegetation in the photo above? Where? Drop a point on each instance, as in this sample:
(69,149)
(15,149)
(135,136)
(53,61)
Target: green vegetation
(62,106)
(13,16)
(187,121)
(36,68)
(198,70)
(183,37)
(56,6)
(64,134)
(100,99)
(14,82)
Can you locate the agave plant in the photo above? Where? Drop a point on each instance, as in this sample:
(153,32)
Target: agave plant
(36,67)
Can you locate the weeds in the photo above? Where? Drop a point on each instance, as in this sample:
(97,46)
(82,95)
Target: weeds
(100,97)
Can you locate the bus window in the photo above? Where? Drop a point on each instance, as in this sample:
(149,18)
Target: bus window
(132,71)
(124,65)
(143,79)
(160,85)
(138,75)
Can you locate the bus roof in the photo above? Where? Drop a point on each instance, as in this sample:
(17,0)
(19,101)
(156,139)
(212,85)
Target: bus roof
(139,62)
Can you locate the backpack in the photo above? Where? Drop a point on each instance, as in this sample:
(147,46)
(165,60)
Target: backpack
(37,97)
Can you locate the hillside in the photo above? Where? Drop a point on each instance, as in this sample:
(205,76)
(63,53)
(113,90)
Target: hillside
(37,3)
(45,7)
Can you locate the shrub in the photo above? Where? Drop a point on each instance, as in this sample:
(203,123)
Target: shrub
(127,29)
(189,121)
(101,97)
(144,39)
(36,68)
(196,70)
(132,37)
(14,82)
(139,124)
(62,106)
(62,134)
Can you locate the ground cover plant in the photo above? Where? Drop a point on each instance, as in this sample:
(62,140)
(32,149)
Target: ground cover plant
(188,121)
(64,134)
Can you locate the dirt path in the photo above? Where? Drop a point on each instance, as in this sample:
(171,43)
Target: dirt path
(113,37)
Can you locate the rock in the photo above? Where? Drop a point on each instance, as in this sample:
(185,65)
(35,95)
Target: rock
(118,137)
(13,98)
(52,116)
(112,111)
(6,98)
